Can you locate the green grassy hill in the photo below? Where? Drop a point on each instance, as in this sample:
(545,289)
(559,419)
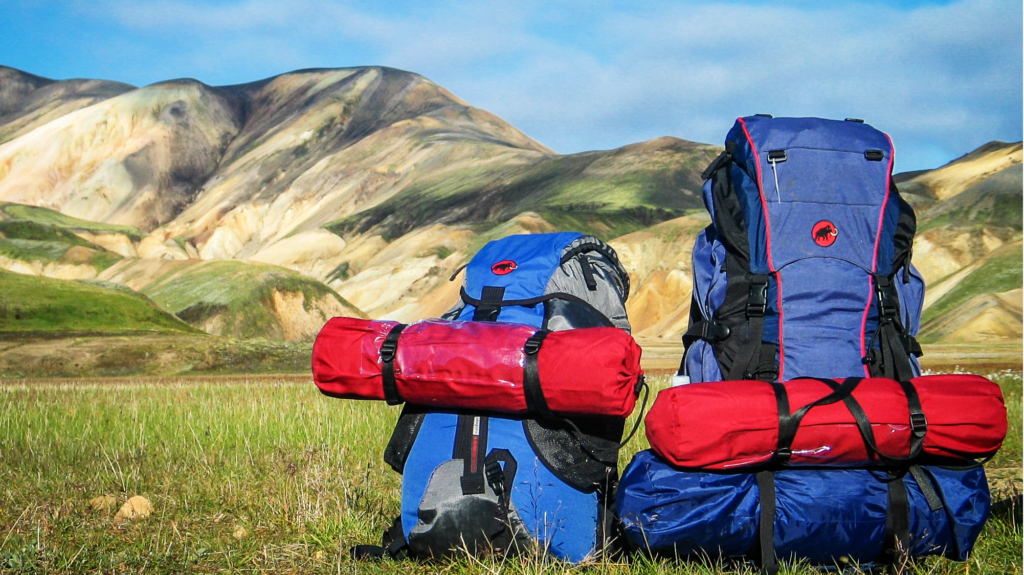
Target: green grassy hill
(39,305)
(38,235)
(243,299)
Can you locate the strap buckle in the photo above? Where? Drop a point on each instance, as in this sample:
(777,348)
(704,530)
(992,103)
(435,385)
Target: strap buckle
(495,476)
(783,454)
(918,424)
(532,345)
(388,350)
(888,299)
(757,298)
(713,331)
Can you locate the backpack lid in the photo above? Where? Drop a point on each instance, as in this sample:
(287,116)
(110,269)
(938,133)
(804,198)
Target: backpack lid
(516,273)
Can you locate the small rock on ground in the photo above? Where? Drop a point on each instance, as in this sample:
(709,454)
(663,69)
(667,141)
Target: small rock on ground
(137,507)
(103,503)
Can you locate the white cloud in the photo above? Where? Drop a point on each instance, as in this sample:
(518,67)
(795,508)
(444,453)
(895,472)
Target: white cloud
(940,79)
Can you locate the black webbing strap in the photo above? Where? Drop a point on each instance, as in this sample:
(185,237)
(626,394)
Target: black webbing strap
(897,520)
(501,479)
(782,453)
(502,534)
(918,422)
(766,524)
(535,401)
(749,354)
(470,445)
(588,272)
(393,544)
(789,423)
(388,351)
(768,368)
(716,164)
(927,489)
(489,304)
(925,480)
(895,345)
(710,331)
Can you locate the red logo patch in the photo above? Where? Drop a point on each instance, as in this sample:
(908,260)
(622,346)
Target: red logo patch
(824,233)
(504,267)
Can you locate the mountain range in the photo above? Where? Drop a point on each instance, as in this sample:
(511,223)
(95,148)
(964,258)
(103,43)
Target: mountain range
(262,209)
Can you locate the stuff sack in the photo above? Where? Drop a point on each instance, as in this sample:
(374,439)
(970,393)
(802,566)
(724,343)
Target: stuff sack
(503,367)
(851,422)
(826,516)
(479,481)
(805,269)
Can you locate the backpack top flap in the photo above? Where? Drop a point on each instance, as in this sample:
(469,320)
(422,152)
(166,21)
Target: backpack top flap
(556,281)
(813,188)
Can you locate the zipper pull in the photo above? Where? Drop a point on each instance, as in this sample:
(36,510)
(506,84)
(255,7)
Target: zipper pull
(774,157)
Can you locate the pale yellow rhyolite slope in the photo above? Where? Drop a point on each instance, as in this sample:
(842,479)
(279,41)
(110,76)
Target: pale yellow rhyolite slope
(955,177)
(135,159)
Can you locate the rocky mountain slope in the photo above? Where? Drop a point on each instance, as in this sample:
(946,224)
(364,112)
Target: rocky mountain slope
(968,246)
(374,181)
(263,208)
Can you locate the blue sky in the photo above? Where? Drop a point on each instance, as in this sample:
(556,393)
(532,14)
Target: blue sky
(940,77)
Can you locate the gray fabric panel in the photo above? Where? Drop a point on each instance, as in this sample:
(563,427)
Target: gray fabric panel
(611,293)
(450,521)
(455,311)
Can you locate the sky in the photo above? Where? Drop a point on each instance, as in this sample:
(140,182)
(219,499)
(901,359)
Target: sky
(941,77)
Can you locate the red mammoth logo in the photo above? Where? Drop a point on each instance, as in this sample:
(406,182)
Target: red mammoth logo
(504,267)
(824,233)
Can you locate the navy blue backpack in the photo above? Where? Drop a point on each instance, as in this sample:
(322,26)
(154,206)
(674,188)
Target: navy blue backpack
(805,269)
(475,482)
(804,272)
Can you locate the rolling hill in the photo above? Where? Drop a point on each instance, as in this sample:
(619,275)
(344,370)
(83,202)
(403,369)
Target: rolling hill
(262,208)
(46,306)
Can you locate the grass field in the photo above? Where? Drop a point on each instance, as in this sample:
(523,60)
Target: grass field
(250,474)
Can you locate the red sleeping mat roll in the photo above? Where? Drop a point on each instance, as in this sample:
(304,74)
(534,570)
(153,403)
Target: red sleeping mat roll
(480,365)
(730,424)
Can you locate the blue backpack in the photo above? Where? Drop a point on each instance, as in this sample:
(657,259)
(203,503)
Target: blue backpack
(804,272)
(805,269)
(479,482)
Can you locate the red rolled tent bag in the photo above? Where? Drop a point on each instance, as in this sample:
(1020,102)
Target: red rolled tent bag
(851,422)
(479,365)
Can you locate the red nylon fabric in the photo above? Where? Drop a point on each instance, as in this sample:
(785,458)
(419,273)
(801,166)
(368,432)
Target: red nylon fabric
(731,424)
(479,365)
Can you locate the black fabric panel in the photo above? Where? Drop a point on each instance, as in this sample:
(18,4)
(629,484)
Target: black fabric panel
(906,227)
(730,223)
(582,460)
(403,436)
(577,315)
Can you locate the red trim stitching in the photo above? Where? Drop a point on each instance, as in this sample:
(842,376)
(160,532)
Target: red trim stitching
(768,243)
